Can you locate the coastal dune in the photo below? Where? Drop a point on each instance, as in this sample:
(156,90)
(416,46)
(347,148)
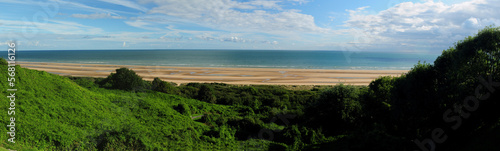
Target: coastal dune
(241,76)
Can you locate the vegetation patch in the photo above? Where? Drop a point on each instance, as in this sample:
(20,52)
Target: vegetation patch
(455,95)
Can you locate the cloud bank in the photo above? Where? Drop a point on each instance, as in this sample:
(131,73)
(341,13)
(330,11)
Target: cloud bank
(423,25)
(265,24)
(263,16)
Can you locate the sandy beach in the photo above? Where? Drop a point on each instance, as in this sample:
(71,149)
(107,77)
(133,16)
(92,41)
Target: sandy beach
(242,76)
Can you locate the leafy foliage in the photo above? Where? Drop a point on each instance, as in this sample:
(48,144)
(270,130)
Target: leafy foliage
(75,113)
(206,94)
(3,61)
(125,79)
(162,86)
(340,105)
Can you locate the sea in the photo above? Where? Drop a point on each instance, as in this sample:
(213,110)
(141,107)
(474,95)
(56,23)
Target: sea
(293,59)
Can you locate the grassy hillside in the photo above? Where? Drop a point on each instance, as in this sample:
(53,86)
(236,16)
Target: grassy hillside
(54,112)
(456,98)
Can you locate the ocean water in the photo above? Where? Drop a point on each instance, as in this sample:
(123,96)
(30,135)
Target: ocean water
(234,58)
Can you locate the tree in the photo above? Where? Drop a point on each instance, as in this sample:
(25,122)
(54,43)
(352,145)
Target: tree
(162,86)
(377,103)
(422,98)
(340,106)
(206,94)
(343,101)
(125,79)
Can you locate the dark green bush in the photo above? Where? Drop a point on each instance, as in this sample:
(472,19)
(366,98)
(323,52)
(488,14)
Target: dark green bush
(342,101)
(125,79)
(340,105)
(162,86)
(3,61)
(206,94)
(85,82)
(377,104)
(183,109)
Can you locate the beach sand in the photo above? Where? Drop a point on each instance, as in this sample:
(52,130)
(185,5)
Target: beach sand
(239,76)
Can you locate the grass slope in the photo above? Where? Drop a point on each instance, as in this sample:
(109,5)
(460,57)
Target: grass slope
(55,113)
(60,113)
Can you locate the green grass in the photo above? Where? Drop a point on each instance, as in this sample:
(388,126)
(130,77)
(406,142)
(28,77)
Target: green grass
(3,149)
(55,113)
(67,113)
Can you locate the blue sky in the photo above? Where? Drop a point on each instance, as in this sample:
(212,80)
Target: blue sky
(361,25)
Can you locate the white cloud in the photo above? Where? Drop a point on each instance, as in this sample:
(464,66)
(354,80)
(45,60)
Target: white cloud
(430,24)
(127,3)
(66,27)
(300,1)
(23,2)
(224,15)
(471,23)
(142,24)
(79,6)
(53,26)
(97,16)
(264,4)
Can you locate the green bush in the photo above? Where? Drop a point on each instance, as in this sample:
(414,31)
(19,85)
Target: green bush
(125,79)
(343,101)
(421,99)
(85,82)
(206,94)
(3,61)
(377,103)
(162,86)
(183,109)
(340,105)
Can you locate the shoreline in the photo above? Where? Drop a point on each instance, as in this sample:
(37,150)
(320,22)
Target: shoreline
(238,76)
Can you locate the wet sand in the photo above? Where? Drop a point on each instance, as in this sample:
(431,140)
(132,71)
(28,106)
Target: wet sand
(240,76)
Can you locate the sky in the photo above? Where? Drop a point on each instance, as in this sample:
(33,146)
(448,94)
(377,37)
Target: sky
(360,25)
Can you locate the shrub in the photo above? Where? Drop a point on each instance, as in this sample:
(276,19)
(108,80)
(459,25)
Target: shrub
(378,100)
(125,79)
(342,100)
(381,88)
(3,61)
(85,82)
(421,96)
(183,109)
(339,105)
(162,86)
(206,94)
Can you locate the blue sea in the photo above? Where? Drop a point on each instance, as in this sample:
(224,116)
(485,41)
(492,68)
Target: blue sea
(234,58)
